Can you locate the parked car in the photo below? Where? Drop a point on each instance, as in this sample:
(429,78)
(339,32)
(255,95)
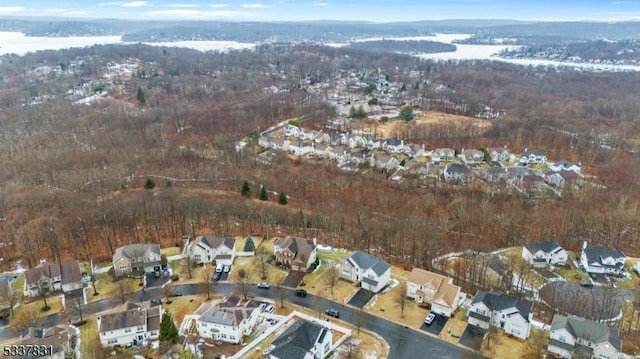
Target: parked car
(264,285)
(176,294)
(270,309)
(156,274)
(429,319)
(300,292)
(165,273)
(332,313)
(217,276)
(156,301)
(219,268)
(226,268)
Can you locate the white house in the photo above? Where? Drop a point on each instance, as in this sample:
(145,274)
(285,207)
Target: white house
(372,273)
(435,289)
(208,248)
(442,155)
(564,165)
(384,161)
(502,311)
(130,324)
(302,340)
(61,342)
(532,157)
(602,260)
(228,320)
(51,277)
(456,172)
(499,154)
(543,253)
(299,253)
(572,335)
(393,145)
(472,156)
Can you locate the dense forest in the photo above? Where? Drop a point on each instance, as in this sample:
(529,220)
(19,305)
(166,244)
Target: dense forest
(74,176)
(627,51)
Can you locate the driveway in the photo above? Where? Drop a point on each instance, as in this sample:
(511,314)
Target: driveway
(293,279)
(153,282)
(437,325)
(361,298)
(472,337)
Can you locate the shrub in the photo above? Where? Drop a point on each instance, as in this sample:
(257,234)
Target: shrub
(175,277)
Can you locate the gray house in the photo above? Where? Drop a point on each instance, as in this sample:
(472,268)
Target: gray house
(133,258)
(571,336)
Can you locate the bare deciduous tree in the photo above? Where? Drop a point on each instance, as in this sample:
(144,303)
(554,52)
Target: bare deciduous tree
(401,297)
(331,277)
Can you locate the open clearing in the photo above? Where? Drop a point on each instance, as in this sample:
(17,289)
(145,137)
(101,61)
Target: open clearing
(388,129)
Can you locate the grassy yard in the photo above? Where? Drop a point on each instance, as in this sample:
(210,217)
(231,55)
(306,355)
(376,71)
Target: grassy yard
(504,347)
(53,301)
(181,306)
(171,251)
(342,290)
(387,307)
(455,325)
(513,253)
(335,256)
(253,270)
(88,336)
(18,284)
(108,288)
(198,274)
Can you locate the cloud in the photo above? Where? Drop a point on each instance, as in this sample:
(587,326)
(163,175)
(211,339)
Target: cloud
(254,6)
(197,14)
(112,3)
(182,6)
(322,3)
(10,9)
(219,5)
(135,4)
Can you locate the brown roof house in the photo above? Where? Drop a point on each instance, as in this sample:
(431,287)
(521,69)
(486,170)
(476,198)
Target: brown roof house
(130,324)
(65,277)
(299,253)
(133,258)
(435,289)
(59,342)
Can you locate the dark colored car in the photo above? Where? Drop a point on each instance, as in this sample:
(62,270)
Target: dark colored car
(332,313)
(217,276)
(300,292)
(156,301)
(175,294)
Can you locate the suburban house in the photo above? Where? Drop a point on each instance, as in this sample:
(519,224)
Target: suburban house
(393,145)
(499,154)
(384,161)
(603,260)
(456,172)
(208,248)
(564,165)
(471,157)
(501,310)
(544,253)
(372,273)
(574,335)
(532,157)
(130,324)
(435,289)
(50,277)
(61,341)
(302,340)
(299,253)
(227,320)
(134,258)
(442,155)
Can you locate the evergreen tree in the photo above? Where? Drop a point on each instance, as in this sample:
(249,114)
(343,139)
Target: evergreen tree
(168,329)
(249,246)
(149,184)
(406,113)
(352,112)
(246,189)
(141,97)
(263,194)
(282,199)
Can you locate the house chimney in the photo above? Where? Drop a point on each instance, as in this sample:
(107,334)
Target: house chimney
(315,241)
(423,146)
(402,143)
(584,245)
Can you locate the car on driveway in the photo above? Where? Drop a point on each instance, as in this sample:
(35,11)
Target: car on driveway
(264,285)
(332,313)
(300,292)
(156,301)
(176,294)
(219,268)
(429,319)
(217,275)
(226,268)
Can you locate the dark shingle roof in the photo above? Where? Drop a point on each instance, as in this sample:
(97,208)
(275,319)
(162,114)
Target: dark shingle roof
(70,271)
(545,246)
(297,340)
(588,330)
(596,254)
(366,261)
(501,301)
(135,251)
(216,242)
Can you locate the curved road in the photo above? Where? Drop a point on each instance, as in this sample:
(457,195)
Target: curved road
(403,342)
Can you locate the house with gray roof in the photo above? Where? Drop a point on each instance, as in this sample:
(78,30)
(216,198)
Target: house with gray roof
(502,311)
(456,172)
(129,324)
(208,248)
(442,155)
(302,340)
(134,258)
(499,154)
(472,156)
(228,320)
(544,253)
(298,253)
(371,272)
(52,277)
(574,336)
(61,341)
(602,260)
(532,157)
(564,165)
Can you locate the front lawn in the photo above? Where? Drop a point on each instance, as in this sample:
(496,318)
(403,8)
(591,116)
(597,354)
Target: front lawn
(387,307)
(54,302)
(253,270)
(107,287)
(504,347)
(455,325)
(171,251)
(181,306)
(335,256)
(88,336)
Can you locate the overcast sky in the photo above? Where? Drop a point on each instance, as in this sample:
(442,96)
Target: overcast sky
(297,10)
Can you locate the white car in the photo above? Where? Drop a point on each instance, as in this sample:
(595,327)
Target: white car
(219,268)
(429,319)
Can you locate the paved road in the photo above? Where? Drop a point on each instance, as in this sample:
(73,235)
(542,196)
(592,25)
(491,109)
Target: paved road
(403,342)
